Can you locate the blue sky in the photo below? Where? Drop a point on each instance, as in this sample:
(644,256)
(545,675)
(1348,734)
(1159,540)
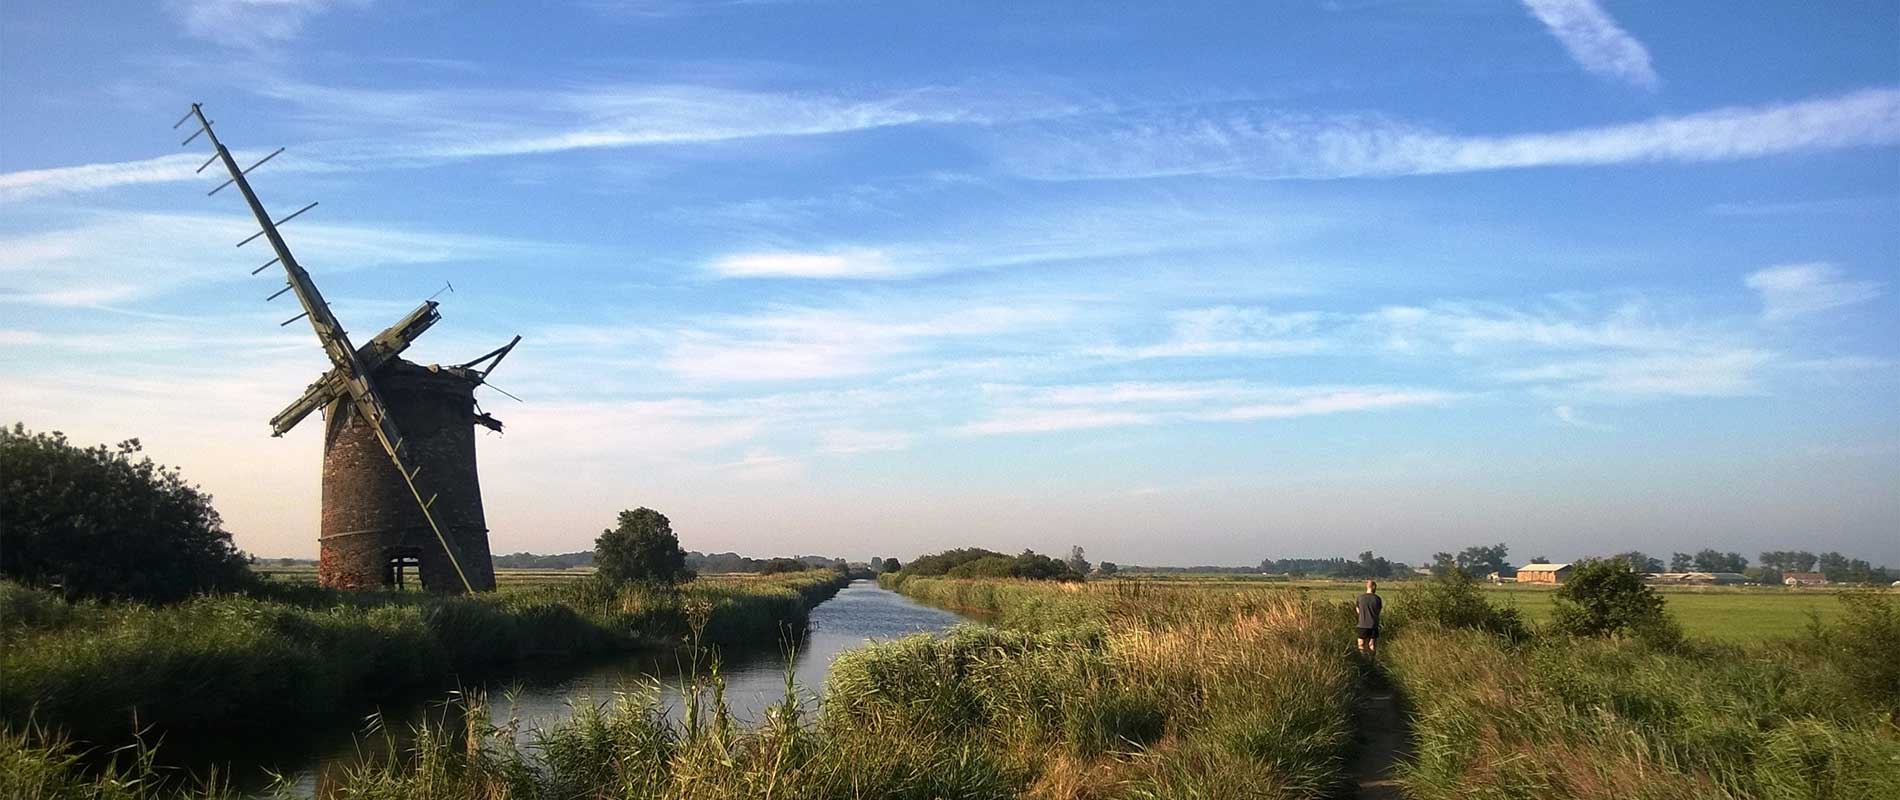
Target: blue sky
(1179,284)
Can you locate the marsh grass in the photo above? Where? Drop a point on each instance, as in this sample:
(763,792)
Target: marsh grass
(1610,718)
(212,666)
(1106,692)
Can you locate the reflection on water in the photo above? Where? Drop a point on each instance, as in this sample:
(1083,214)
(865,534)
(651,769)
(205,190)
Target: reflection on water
(548,694)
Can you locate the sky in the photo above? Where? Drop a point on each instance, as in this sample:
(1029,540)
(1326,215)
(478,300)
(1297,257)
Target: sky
(1178,283)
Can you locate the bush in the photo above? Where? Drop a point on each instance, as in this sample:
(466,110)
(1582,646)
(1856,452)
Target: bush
(1864,644)
(641,549)
(780,565)
(1604,598)
(95,522)
(976,562)
(985,567)
(1452,599)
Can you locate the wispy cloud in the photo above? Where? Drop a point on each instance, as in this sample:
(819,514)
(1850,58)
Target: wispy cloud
(106,258)
(1569,416)
(472,124)
(761,464)
(1596,41)
(808,344)
(1267,144)
(397,128)
(1797,290)
(1869,205)
(846,441)
(1229,331)
(1712,372)
(1334,402)
(251,23)
(1029,409)
(35,183)
(836,264)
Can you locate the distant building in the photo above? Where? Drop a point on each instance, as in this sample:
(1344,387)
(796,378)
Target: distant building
(1804,579)
(1543,573)
(1703,578)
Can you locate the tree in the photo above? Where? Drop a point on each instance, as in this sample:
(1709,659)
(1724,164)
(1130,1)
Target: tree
(976,562)
(1540,559)
(1077,562)
(778,565)
(1483,560)
(1639,561)
(641,549)
(1681,562)
(1370,566)
(1038,567)
(1603,598)
(1713,561)
(991,566)
(1107,568)
(1789,560)
(1841,569)
(1444,564)
(891,565)
(103,522)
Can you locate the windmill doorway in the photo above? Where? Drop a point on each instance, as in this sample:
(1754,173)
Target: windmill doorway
(403,572)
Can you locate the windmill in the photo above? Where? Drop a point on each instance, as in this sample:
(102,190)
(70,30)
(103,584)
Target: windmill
(400,490)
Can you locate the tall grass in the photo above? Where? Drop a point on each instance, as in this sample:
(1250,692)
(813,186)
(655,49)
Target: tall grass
(1124,689)
(1098,693)
(1614,718)
(216,665)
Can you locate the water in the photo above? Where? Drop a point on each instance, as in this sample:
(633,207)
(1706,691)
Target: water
(548,694)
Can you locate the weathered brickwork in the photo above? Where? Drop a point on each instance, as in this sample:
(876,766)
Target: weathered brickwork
(369,515)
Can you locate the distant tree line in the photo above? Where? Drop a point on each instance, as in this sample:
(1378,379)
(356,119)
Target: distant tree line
(696,561)
(557,561)
(976,562)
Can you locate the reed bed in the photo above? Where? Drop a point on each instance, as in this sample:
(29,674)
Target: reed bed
(1556,718)
(101,673)
(1099,693)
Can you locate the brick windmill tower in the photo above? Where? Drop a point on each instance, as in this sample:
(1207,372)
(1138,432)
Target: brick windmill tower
(400,491)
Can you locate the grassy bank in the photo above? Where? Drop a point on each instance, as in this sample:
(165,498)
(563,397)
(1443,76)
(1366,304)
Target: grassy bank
(1106,692)
(220,665)
(1135,690)
(1125,689)
(1814,717)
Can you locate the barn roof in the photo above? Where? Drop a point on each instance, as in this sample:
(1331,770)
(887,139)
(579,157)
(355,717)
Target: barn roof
(1542,567)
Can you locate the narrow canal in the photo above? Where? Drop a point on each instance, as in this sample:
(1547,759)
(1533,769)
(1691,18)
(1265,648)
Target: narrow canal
(548,694)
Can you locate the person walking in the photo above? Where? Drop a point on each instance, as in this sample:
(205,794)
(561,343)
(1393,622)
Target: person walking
(1369,606)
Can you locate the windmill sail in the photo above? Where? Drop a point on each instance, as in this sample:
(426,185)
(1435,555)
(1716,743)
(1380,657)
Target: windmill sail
(349,366)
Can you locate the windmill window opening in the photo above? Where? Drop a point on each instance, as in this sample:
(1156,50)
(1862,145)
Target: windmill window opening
(404,572)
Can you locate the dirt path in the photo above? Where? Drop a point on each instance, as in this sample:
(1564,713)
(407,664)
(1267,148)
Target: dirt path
(1384,739)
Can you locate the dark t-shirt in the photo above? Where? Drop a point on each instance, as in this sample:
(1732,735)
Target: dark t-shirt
(1369,607)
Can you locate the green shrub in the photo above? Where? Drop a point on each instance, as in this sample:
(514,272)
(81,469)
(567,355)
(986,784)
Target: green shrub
(1604,598)
(97,523)
(1865,643)
(1453,599)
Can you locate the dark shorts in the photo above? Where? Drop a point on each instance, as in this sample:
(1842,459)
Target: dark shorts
(1369,633)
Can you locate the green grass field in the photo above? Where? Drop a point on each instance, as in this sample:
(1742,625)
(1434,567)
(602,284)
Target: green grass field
(1728,613)
(504,578)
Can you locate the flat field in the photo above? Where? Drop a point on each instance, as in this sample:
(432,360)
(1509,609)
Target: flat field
(1727,613)
(504,578)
